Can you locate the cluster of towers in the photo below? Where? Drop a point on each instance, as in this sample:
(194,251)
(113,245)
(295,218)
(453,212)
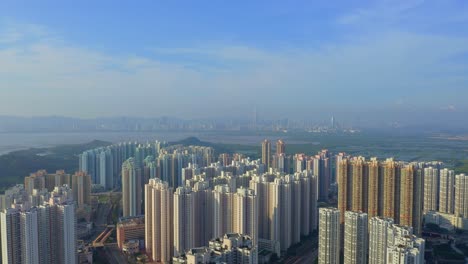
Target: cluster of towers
(399,190)
(320,165)
(174,169)
(389,188)
(377,240)
(103,164)
(39,227)
(275,210)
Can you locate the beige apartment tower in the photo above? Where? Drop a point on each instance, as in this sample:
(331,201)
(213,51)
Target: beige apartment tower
(159,221)
(81,187)
(280,147)
(359,185)
(374,188)
(266,153)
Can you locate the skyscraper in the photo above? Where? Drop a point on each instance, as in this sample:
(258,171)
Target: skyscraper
(431,189)
(203,199)
(131,188)
(296,200)
(266,153)
(11,236)
(245,213)
(355,238)
(280,147)
(384,237)
(446,191)
(359,184)
(184,220)
(81,187)
(280,212)
(65,221)
(406,195)
(378,236)
(411,197)
(344,188)
(222,210)
(43,234)
(461,195)
(391,198)
(324,173)
(159,221)
(329,235)
(375,188)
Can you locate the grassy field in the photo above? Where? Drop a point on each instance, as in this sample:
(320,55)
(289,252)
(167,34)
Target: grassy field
(461,166)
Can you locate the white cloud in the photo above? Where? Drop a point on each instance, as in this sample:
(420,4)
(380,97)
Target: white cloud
(46,75)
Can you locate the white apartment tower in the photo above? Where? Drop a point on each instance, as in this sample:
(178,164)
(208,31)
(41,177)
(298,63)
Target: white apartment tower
(245,213)
(461,195)
(446,191)
(355,238)
(11,236)
(378,236)
(329,236)
(431,189)
(280,212)
(184,220)
(222,210)
(203,213)
(131,188)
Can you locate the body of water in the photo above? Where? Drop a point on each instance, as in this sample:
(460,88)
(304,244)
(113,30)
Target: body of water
(17,141)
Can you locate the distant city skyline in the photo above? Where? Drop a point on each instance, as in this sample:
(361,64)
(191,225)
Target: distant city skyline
(368,59)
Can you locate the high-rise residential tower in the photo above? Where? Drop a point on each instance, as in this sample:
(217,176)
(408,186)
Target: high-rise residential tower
(359,184)
(222,210)
(378,236)
(131,188)
(184,220)
(461,195)
(81,187)
(203,213)
(411,197)
(431,189)
(355,238)
(375,188)
(344,188)
(446,191)
(391,184)
(266,153)
(245,213)
(280,147)
(329,235)
(159,221)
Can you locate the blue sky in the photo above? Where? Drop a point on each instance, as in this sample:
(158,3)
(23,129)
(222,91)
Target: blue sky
(209,58)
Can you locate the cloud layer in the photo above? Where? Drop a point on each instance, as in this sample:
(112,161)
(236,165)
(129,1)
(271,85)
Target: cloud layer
(375,63)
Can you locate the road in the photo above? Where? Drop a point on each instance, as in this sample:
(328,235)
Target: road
(114,255)
(305,254)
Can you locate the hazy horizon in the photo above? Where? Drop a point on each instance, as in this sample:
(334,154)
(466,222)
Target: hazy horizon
(362,61)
